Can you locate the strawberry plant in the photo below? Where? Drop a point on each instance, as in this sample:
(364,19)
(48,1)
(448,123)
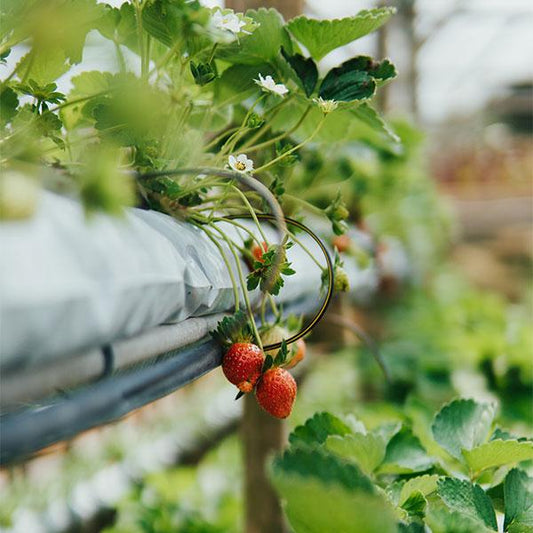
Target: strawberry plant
(458,472)
(229,105)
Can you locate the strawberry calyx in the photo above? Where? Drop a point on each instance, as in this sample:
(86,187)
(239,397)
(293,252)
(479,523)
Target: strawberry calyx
(232,329)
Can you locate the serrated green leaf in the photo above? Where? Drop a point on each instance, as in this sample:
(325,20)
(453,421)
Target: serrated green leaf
(415,505)
(327,467)
(368,115)
(424,484)
(263,45)
(445,521)
(463,425)
(169,21)
(367,450)
(118,24)
(315,507)
(317,429)
(345,84)
(44,66)
(470,499)
(305,69)
(518,496)
(405,454)
(498,453)
(322,36)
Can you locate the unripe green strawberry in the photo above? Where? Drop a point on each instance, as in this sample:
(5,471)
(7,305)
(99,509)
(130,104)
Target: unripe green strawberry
(273,335)
(342,283)
(276,391)
(242,365)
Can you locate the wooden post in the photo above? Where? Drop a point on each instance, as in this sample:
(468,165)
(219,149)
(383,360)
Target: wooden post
(288,8)
(382,96)
(262,436)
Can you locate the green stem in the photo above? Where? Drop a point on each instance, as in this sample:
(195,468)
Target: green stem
(140,40)
(293,149)
(218,138)
(78,100)
(305,249)
(243,285)
(120,57)
(282,135)
(272,113)
(252,212)
(242,227)
(273,305)
(232,141)
(306,204)
(213,50)
(226,262)
(167,57)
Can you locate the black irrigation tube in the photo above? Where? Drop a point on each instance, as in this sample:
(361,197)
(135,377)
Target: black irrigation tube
(23,433)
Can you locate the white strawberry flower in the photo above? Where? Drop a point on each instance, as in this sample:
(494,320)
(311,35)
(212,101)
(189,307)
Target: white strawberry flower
(225,25)
(268,84)
(241,163)
(228,22)
(326,106)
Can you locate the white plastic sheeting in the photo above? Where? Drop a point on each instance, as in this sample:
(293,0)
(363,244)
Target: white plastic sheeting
(68,283)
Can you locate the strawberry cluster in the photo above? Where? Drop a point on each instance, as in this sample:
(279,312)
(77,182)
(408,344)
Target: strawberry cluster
(246,366)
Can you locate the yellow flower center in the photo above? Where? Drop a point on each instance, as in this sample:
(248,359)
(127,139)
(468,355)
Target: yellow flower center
(239,165)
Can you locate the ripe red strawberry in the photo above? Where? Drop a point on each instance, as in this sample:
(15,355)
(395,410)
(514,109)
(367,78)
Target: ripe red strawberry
(342,242)
(242,365)
(276,391)
(258,251)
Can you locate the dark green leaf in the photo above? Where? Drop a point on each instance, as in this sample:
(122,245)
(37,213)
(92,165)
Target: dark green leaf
(305,69)
(463,425)
(317,429)
(347,83)
(518,496)
(405,454)
(470,499)
(415,505)
(8,104)
(203,73)
(267,363)
(329,468)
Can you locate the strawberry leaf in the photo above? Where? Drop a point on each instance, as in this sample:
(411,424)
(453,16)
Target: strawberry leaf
(268,363)
(281,356)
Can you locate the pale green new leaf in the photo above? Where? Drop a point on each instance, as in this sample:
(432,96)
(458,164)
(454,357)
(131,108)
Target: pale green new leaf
(463,425)
(322,36)
(498,453)
(263,45)
(445,521)
(315,507)
(323,493)
(44,65)
(367,450)
(467,498)
(424,484)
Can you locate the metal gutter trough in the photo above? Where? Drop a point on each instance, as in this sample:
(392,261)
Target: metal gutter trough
(100,316)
